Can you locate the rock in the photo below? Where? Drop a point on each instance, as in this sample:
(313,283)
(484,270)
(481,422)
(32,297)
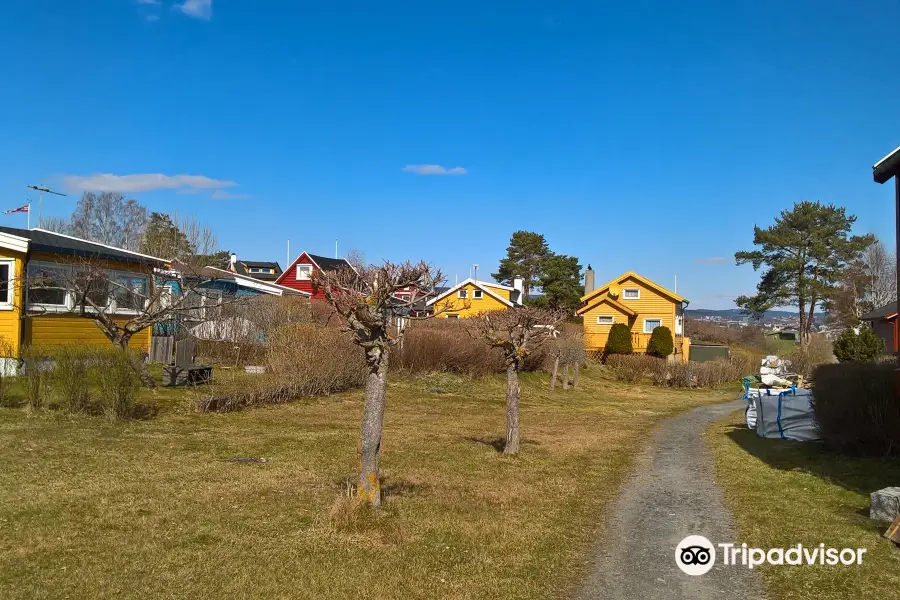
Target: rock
(241,460)
(885,504)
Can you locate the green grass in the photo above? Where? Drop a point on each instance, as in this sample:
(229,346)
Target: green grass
(92,509)
(784,493)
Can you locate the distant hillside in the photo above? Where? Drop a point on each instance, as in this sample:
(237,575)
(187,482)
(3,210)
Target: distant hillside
(734,314)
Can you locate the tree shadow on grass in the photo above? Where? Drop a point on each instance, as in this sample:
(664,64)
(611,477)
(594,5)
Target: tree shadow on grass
(861,475)
(498,443)
(402,488)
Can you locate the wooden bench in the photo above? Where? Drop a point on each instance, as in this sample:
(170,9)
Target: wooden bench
(183,371)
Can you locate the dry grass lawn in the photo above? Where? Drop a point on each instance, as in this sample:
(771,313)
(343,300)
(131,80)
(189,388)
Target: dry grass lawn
(785,493)
(153,509)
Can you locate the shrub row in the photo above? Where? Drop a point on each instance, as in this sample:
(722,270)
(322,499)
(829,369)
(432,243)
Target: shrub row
(82,379)
(857,408)
(637,368)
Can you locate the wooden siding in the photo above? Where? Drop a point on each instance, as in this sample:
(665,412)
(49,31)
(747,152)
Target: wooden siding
(65,329)
(650,305)
(10,321)
(471,306)
(289,278)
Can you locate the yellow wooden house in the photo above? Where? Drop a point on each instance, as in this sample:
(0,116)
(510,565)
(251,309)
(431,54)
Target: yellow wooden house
(636,301)
(42,314)
(471,297)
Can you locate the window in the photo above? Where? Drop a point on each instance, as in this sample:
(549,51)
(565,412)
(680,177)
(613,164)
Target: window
(255,270)
(7,268)
(605,320)
(651,324)
(631,294)
(130,291)
(452,316)
(47,285)
(462,294)
(476,294)
(304,272)
(94,284)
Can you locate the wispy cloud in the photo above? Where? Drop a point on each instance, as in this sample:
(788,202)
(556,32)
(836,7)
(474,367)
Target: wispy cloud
(712,260)
(223,195)
(107,182)
(198,9)
(434,170)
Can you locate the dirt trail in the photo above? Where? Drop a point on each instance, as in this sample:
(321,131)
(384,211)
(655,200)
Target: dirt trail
(671,494)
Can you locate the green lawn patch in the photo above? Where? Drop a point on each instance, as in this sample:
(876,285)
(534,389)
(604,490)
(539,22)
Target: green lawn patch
(783,493)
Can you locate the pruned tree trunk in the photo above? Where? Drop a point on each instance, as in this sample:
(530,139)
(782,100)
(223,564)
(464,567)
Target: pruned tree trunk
(512,408)
(566,377)
(575,376)
(139,366)
(555,372)
(372,423)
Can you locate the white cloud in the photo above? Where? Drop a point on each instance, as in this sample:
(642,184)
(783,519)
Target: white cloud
(712,260)
(223,195)
(107,182)
(434,170)
(199,9)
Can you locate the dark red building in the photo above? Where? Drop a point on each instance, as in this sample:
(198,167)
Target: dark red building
(300,274)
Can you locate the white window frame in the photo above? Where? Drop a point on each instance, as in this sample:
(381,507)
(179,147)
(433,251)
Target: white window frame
(612,320)
(655,320)
(631,289)
(307,270)
(477,294)
(111,307)
(452,316)
(10,285)
(462,294)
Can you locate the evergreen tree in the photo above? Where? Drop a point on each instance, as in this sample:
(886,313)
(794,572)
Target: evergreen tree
(661,343)
(560,280)
(805,254)
(163,238)
(619,340)
(525,257)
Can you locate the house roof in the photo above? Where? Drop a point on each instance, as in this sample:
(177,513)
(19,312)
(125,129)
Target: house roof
(42,240)
(322,262)
(260,264)
(606,299)
(251,282)
(888,311)
(887,167)
(635,276)
(243,266)
(482,285)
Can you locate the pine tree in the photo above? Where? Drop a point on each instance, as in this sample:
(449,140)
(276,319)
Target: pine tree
(525,258)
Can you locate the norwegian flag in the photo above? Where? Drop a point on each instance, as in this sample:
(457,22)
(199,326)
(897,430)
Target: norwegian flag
(26,208)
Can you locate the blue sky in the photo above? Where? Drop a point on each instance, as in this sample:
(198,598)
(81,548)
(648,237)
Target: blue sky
(646,136)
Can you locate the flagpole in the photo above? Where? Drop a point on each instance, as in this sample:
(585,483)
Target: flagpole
(29,215)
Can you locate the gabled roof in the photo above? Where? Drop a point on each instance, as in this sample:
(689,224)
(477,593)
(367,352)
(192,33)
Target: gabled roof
(635,276)
(482,285)
(251,282)
(888,311)
(323,263)
(243,266)
(42,240)
(260,264)
(607,300)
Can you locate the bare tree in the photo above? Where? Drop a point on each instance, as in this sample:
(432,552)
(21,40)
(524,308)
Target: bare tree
(517,333)
(366,302)
(357,258)
(868,283)
(57,224)
(880,269)
(109,218)
(181,238)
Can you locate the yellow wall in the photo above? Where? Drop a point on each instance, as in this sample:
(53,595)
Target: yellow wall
(651,305)
(65,329)
(471,306)
(9,319)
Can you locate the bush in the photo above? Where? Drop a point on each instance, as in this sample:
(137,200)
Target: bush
(638,368)
(118,383)
(864,346)
(302,359)
(36,377)
(661,343)
(856,408)
(69,381)
(805,358)
(619,340)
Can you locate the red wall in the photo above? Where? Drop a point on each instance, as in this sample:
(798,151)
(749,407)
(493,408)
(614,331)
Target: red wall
(289,278)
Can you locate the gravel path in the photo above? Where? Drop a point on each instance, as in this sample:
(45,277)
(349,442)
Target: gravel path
(671,494)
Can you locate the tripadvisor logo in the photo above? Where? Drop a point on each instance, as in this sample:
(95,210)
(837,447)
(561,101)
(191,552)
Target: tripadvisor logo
(696,555)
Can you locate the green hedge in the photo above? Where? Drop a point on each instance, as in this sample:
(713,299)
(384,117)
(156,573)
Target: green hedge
(857,408)
(619,340)
(661,343)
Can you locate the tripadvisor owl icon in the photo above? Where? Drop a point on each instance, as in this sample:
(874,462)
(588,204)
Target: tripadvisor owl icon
(695,555)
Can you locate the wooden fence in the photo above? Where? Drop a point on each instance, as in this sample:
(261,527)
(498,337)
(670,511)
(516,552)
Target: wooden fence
(161,347)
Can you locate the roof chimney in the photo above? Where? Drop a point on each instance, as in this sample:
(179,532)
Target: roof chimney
(588,281)
(518,284)
(232,260)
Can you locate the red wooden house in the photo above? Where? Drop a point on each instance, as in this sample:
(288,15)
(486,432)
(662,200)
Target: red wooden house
(300,274)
